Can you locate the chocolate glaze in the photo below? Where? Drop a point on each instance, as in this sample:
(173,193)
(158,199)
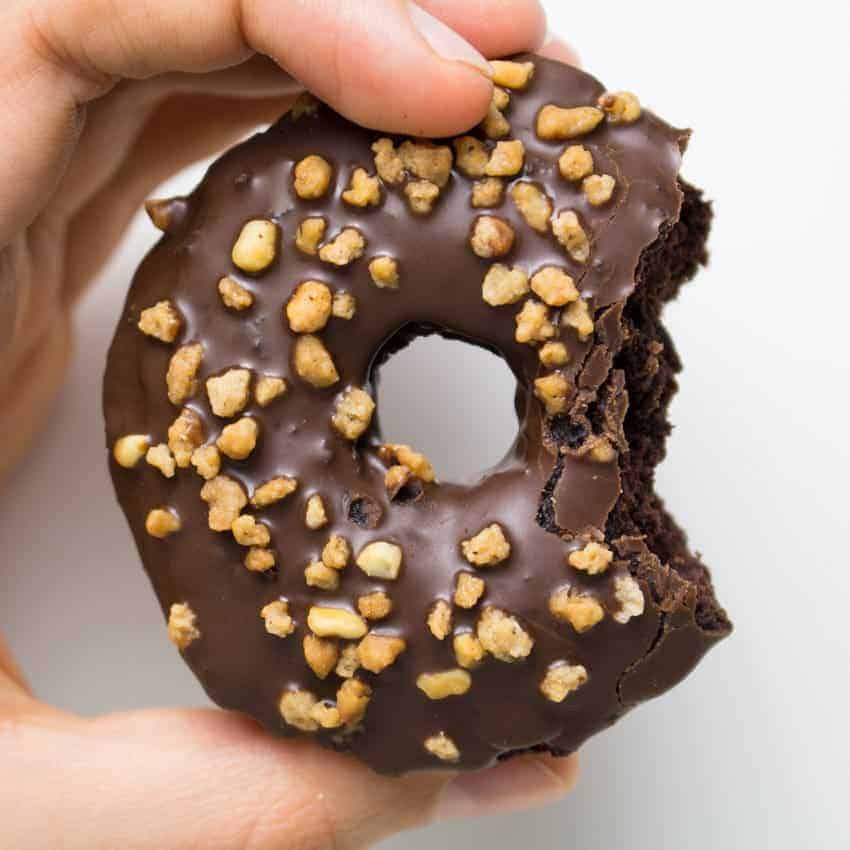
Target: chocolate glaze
(239,664)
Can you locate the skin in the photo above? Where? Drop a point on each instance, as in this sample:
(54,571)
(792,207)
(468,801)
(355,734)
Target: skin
(96,99)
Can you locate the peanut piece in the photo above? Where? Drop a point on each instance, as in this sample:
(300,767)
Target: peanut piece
(364,190)
(469,589)
(182,630)
(448,683)
(554,354)
(502,636)
(259,560)
(440,619)
(273,491)
(598,188)
(315,515)
(628,593)
(345,248)
(377,652)
(534,205)
(238,440)
(487,192)
(160,458)
(160,522)
(317,574)
(554,122)
(468,650)
(581,612)
(553,390)
(268,388)
(593,559)
(569,232)
(185,434)
(309,307)
(532,323)
(388,163)
(296,709)
(182,371)
(427,161)
(207,461)
(384,272)
(248,532)
(228,393)
(443,747)
(277,619)
(512,75)
(336,553)
(353,414)
(421,196)
(621,107)
(234,295)
(312,177)
(352,699)
(472,156)
(336,622)
(561,680)
(320,654)
(343,306)
(487,548)
(578,316)
(380,560)
(313,362)
(506,159)
(256,247)
(226,499)
(491,237)
(309,234)
(161,321)
(374,606)
(575,163)
(130,449)
(504,285)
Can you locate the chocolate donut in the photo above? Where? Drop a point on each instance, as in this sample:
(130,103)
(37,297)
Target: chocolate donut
(325,582)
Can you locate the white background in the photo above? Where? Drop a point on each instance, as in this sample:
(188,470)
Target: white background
(752,750)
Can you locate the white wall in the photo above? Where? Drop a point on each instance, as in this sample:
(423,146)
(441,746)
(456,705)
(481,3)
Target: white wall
(752,750)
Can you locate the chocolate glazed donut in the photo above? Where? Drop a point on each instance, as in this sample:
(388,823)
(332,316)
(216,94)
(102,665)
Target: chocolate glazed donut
(325,582)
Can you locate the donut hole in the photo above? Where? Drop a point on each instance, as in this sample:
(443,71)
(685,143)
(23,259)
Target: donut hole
(451,400)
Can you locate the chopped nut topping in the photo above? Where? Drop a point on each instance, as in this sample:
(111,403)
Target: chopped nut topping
(310,233)
(468,650)
(533,204)
(448,683)
(469,589)
(487,192)
(259,560)
(491,237)
(554,286)
(185,434)
(353,414)
(268,388)
(506,159)
(495,125)
(161,211)
(315,515)
(554,122)
(593,559)
(130,449)
(181,625)
(238,440)
(336,622)
(226,499)
(377,652)
(488,547)
(228,393)
(396,478)
(317,574)
(345,248)
(309,308)
(622,107)
(321,654)
(277,619)
(472,156)
(273,491)
(421,196)
(416,462)
(343,306)
(554,354)
(182,371)
(312,177)
(248,532)
(561,679)
(352,699)
(440,619)
(348,663)
(364,190)
(577,316)
(602,451)
(326,714)
(504,285)
(598,188)
(234,295)
(160,458)
(443,747)
(380,560)
(305,104)
(388,163)
(161,522)
(581,612)
(427,161)
(569,232)
(256,247)
(336,553)
(313,362)
(207,462)
(296,708)
(384,271)
(502,636)
(501,98)
(532,323)
(553,390)
(161,321)
(512,75)
(375,605)
(628,593)
(576,162)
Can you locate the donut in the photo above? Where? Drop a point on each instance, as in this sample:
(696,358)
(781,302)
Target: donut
(326,582)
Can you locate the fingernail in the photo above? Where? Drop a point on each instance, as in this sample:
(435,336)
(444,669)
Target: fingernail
(520,783)
(445,42)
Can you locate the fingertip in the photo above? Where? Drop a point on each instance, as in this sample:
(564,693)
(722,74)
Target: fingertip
(520,783)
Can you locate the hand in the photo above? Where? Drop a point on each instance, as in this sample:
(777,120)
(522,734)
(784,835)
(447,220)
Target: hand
(102,100)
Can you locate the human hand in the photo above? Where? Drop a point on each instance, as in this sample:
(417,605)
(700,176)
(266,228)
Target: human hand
(104,99)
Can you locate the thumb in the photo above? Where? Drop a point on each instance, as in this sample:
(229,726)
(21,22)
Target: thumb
(210,779)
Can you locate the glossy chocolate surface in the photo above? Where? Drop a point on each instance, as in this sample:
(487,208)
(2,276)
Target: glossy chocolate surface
(242,666)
